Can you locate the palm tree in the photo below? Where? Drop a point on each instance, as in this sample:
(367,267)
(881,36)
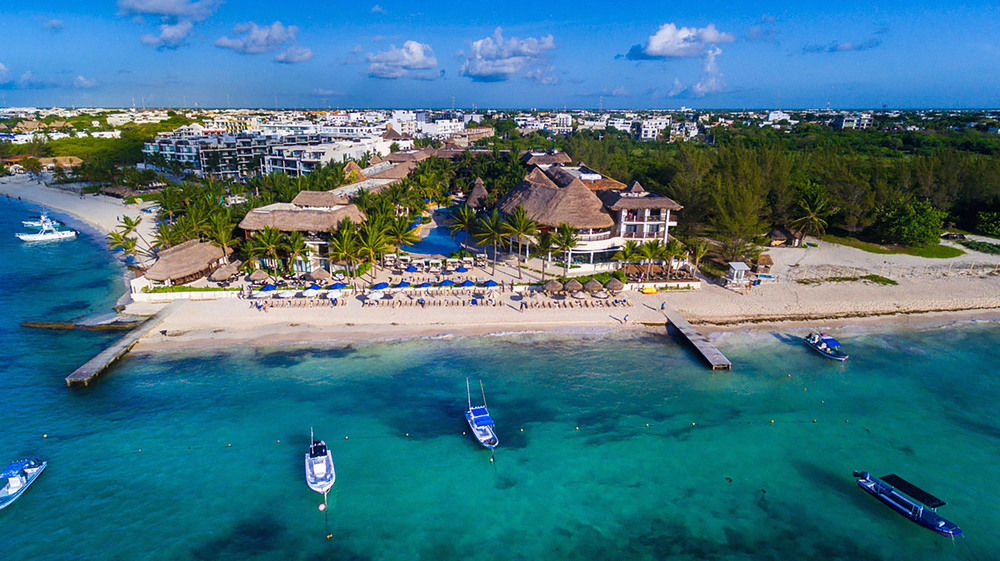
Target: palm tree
(628,253)
(400,232)
(813,211)
(522,227)
(165,236)
(267,243)
(698,252)
(566,240)
(653,250)
(490,232)
(544,245)
(372,242)
(674,249)
(462,219)
(220,229)
(295,246)
(129,225)
(344,246)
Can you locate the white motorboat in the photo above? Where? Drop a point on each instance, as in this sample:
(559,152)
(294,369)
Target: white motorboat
(48,232)
(480,421)
(39,222)
(18,477)
(320,474)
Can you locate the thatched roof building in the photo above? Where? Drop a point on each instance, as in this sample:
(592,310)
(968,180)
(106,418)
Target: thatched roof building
(288,217)
(545,158)
(552,197)
(320,199)
(225,272)
(593,285)
(259,275)
(614,285)
(477,196)
(573,285)
(636,198)
(552,286)
(185,262)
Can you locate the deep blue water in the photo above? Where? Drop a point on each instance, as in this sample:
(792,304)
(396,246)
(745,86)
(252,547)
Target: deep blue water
(612,446)
(438,241)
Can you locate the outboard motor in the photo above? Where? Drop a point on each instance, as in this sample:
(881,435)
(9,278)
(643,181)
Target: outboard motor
(862,475)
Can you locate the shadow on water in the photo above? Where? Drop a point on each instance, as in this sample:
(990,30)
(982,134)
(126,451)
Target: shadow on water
(249,537)
(788,338)
(843,485)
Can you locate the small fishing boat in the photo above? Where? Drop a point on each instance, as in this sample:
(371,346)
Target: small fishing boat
(319,466)
(480,421)
(18,476)
(825,345)
(909,500)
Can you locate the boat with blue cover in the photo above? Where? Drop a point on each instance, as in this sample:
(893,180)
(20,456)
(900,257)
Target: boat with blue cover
(909,500)
(18,476)
(320,474)
(825,345)
(480,421)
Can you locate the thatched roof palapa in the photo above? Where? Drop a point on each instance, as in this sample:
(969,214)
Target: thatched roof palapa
(259,276)
(552,286)
(636,198)
(321,199)
(554,198)
(319,274)
(477,195)
(184,260)
(573,285)
(614,285)
(765,260)
(226,271)
(593,285)
(287,217)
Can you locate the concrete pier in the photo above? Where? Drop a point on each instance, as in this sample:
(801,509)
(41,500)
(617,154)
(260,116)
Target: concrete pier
(96,366)
(708,351)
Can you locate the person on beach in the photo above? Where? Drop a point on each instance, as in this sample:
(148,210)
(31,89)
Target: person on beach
(625,320)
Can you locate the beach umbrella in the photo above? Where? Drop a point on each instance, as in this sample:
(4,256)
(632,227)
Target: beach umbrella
(403,284)
(614,285)
(461,269)
(338,286)
(374,295)
(552,286)
(573,285)
(593,285)
(319,274)
(425,285)
(268,288)
(259,276)
(287,293)
(466,283)
(411,269)
(600,294)
(579,295)
(334,294)
(447,282)
(262,294)
(310,292)
(490,283)
(314,286)
(381,286)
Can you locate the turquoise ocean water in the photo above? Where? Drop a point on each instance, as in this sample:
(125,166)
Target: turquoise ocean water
(222,435)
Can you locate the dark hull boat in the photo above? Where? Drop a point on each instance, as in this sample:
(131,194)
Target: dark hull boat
(826,346)
(909,500)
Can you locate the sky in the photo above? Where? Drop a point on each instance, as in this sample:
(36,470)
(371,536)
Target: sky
(545,55)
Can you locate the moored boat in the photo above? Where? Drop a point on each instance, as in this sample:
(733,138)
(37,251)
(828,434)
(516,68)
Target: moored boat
(909,500)
(18,476)
(47,232)
(320,474)
(40,222)
(825,345)
(480,421)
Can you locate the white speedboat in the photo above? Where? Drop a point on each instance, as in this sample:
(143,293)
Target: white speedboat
(17,478)
(48,232)
(320,474)
(480,421)
(40,222)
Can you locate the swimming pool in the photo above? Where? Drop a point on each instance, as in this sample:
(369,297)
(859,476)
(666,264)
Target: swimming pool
(438,241)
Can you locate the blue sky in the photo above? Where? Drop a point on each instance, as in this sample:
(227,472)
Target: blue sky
(549,54)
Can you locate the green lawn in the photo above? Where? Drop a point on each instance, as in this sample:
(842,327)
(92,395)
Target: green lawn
(936,251)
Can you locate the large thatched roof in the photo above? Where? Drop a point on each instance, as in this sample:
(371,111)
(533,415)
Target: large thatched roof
(398,171)
(557,197)
(410,155)
(614,284)
(259,276)
(573,285)
(477,195)
(183,260)
(226,271)
(636,198)
(552,286)
(291,218)
(593,285)
(319,274)
(536,159)
(322,199)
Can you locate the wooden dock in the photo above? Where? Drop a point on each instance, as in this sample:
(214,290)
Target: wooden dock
(96,366)
(708,351)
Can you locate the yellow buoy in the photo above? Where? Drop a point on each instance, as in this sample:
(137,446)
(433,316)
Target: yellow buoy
(845,420)
(522,430)
(329,536)
(692,424)
(230,445)
(279,442)
(805,389)
(140,449)
(45,436)
(407,435)
(647,424)
(772,421)
(577,428)
(814,420)
(346,437)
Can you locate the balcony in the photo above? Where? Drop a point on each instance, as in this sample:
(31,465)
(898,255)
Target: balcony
(593,237)
(642,235)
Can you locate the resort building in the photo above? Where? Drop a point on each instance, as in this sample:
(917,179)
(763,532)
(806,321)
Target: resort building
(184,263)
(225,156)
(300,159)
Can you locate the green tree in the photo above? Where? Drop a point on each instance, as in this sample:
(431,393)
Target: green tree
(698,252)
(462,219)
(565,240)
(295,247)
(401,232)
(267,243)
(520,227)
(490,231)
(651,251)
(912,223)
(220,229)
(627,254)
(673,250)
(345,248)
(128,225)
(545,244)
(372,242)
(814,209)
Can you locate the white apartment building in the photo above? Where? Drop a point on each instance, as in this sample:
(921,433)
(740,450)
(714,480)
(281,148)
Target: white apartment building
(564,120)
(620,124)
(301,159)
(651,128)
(441,128)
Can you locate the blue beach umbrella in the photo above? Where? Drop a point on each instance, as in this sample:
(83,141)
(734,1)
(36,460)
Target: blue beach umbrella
(466,283)
(381,286)
(425,285)
(314,286)
(411,269)
(338,286)
(403,284)
(461,269)
(490,283)
(268,288)
(447,282)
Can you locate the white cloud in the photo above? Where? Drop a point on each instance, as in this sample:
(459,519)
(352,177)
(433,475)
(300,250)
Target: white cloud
(171,35)
(545,76)
(677,88)
(711,81)
(396,63)
(325,92)
(84,83)
(253,39)
(671,41)
(495,59)
(52,23)
(376,9)
(196,10)
(4,73)
(294,54)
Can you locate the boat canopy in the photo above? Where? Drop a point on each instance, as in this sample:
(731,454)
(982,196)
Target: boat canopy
(13,470)
(830,341)
(477,411)
(317,449)
(484,421)
(912,490)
